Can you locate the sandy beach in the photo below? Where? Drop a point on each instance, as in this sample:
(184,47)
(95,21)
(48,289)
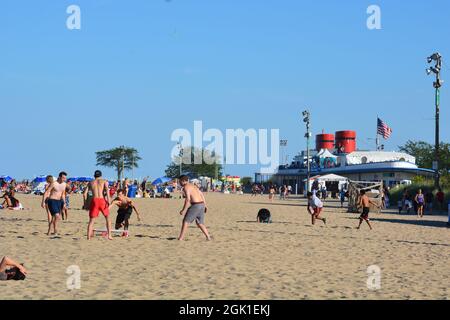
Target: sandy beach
(289,259)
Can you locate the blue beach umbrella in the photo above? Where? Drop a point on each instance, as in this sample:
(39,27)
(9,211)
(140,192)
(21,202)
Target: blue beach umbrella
(161,180)
(84,179)
(40,179)
(6,178)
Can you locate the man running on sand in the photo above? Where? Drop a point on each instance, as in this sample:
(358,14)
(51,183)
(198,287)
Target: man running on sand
(365,202)
(315,207)
(99,203)
(54,197)
(195,198)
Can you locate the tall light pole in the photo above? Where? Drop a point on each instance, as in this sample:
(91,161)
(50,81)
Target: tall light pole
(180,147)
(283,145)
(437,58)
(123,160)
(306,120)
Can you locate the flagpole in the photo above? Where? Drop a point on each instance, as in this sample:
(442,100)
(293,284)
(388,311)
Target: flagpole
(377,140)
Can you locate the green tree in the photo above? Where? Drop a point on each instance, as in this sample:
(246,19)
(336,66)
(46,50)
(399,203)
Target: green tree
(424,154)
(207,167)
(120,158)
(246,181)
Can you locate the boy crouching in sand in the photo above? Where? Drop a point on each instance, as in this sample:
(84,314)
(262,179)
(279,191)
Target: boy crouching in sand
(125,211)
(196,212)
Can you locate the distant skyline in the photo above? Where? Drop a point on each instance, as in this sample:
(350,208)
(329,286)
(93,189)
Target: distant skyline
(137,71)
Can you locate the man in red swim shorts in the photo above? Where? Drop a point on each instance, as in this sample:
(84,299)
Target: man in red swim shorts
(99,203)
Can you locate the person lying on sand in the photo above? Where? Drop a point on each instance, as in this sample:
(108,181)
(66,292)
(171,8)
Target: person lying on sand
(11,270)
(126,207)
(11,202)
(196,212)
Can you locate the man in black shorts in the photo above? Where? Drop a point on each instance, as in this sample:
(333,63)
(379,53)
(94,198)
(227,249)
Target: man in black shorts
(125,210)
(365,203)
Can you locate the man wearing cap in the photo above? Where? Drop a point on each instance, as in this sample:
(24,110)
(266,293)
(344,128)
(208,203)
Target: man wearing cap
(99,203)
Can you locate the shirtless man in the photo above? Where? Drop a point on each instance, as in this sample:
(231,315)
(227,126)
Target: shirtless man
(54,197)
(365,202)
(99,203)
(197,209)
(126,207)
(49,180)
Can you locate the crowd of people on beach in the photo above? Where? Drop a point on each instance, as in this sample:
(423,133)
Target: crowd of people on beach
(422,202)
(101,196)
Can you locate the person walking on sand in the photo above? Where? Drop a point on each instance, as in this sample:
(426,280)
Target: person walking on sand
(420,201)
(65,210)
(429,199)
(55,196)
(49,180)
(99,203)
(342,194)
(364,203)
(271,193)
(315,207)
(195,200)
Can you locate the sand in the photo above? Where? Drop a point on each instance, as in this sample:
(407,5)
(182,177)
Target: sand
(288,259)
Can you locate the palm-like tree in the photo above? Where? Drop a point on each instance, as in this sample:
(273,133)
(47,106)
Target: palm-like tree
(121,158)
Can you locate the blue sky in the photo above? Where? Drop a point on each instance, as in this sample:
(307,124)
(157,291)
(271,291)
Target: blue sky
(137,70)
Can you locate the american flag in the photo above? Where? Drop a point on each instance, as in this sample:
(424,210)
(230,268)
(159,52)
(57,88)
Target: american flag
(383,129)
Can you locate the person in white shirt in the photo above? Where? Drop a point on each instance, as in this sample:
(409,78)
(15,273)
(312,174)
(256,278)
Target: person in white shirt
(315,207)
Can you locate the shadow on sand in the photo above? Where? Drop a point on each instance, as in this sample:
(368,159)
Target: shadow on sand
(423,223)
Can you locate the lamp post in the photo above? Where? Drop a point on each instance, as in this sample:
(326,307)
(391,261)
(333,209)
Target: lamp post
(306,120)
(123,161)
(437,58)
(283,145)
(180,147)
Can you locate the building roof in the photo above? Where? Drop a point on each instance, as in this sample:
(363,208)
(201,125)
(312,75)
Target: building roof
(363,157)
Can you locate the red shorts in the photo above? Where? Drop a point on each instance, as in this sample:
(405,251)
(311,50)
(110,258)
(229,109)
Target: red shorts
(317,211)
(97,205)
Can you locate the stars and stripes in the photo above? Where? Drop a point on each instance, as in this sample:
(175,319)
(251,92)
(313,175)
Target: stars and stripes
(383,129)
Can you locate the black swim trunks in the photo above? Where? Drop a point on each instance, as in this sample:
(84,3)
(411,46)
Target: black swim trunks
(365,214)
(55,206)
(123,214)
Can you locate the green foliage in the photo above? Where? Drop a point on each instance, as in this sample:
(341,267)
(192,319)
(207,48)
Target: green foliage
(120,158)
(419,183)
(424,154)
(246,181)
(205,168)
